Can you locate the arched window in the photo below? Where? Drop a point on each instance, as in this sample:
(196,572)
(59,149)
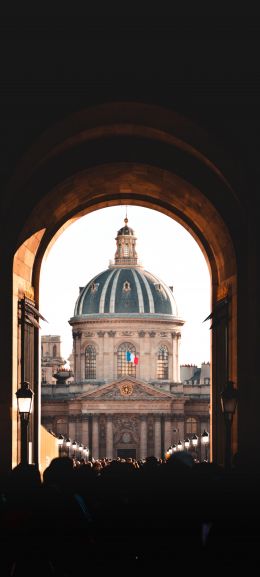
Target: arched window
(191,426)
(126,249)
(90,362)
(54,351)
(162,363)
(125,366)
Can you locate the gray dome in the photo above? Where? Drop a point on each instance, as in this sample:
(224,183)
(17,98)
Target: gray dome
(125,230)
(125,292)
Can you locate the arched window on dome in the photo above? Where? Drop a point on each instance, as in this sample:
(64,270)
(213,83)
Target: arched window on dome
(90,362)
(126,249)
(162,363)
(124,366)
(191,426)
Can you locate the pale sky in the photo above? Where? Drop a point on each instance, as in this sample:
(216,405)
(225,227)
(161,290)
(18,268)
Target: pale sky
(164,248)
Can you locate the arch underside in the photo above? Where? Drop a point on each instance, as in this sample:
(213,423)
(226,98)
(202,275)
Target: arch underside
(156,163)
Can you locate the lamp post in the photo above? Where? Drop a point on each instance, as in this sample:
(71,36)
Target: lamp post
(24,397)
(68,443)
(205,442)
(60,443)
(228,404)
(179,445)
(186,443)
(194,442)
(87,452)
(168,453)
(80,450)
(74,446)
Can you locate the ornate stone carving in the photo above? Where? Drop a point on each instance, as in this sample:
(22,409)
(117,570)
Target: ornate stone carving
(127,333)
(126,389)
(126,437)
(88,334)
(111,333)
(76,334)
(152,333)
(100,333)
(141,334)
(126,428)
(163,334)
(137,392)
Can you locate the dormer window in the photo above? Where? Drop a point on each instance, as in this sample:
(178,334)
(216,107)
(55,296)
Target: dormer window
(126,287)
(94,287)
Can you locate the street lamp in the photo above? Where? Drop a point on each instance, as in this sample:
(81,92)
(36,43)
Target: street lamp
(24,397)
(87,452)
(174,448)
(168,453)
(228,404)
(194,442)
(60,443)
(186,443)
(205,442)
(74,445)
(68,443)
(179,445)
(80,449)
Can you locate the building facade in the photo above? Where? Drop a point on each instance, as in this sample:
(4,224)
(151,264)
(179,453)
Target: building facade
(127,397)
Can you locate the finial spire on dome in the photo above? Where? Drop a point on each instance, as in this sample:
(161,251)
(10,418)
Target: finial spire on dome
(125,246)
(126,219)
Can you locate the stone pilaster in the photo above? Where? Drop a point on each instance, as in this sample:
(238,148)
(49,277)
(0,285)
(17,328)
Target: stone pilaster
(174,357)
(157,436)
(167,432)
(178,377)
(77,357)
(143,437)
(100,371)
(109,437)
(95,437)
(72,427)
(85,431)
(181,428)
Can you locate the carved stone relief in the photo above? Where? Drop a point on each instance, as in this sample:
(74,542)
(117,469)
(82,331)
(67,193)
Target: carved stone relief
(126,429)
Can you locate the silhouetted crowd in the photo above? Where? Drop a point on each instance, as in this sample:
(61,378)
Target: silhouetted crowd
(121,514)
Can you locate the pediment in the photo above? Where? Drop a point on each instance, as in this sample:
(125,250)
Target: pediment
(128,389)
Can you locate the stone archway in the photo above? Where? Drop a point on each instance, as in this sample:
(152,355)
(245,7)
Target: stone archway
(130,154)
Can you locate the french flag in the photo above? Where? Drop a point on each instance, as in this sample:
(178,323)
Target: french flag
(131,358)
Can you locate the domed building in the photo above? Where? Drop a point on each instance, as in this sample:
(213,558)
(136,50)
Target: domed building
(127,398)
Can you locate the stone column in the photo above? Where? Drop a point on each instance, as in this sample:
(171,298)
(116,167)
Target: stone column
(95,437)
(181,430)
(174,341)
(77,357)
(78,430)
(85,431)
(82,365)
(72,427)
(178,377)
(109,356)
(100,374)
(167,432)
(109,437)
(157,437)
(143,437)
